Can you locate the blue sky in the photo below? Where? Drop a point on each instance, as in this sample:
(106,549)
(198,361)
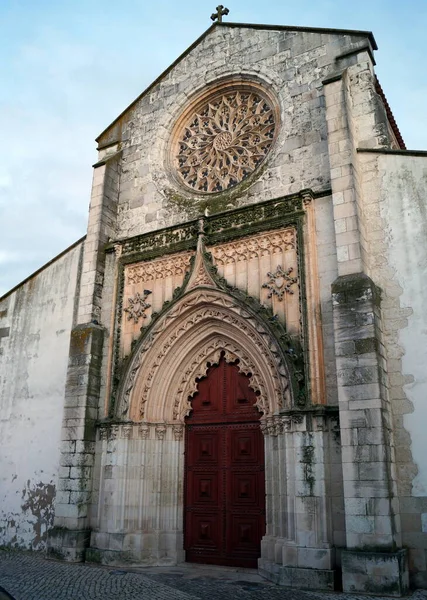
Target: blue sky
(68,68)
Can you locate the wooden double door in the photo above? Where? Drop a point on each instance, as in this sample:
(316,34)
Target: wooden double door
(224,498)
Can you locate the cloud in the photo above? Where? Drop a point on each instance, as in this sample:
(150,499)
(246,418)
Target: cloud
(70,68)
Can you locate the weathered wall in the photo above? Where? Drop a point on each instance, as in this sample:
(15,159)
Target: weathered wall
(395,199)
(404,210)
(290,64)
(35,324)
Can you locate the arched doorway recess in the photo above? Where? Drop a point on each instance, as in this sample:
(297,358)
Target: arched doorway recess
(224,482)
(156,396)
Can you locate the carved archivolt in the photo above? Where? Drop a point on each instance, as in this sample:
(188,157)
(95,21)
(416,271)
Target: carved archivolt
(210,355)
(255,247)
(163,371)
(158,269)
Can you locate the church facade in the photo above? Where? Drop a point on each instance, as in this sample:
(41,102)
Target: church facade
(229,368)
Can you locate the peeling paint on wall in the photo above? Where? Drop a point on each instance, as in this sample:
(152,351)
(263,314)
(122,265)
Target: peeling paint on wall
(32,382)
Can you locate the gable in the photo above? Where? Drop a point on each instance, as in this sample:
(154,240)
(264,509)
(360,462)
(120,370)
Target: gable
(272,40)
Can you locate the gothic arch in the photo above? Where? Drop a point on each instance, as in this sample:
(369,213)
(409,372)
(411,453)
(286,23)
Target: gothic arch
(162,372)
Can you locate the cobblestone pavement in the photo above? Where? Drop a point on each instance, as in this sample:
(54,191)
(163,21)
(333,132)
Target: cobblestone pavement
(31,577)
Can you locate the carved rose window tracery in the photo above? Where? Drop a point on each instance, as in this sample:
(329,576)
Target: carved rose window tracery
(223,140)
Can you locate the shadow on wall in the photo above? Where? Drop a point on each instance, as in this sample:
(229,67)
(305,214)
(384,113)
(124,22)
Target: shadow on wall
(5,595)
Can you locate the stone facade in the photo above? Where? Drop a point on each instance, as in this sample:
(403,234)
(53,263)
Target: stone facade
(255,203)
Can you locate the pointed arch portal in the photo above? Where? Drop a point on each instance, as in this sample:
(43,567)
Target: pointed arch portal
(169,436)
(161,376)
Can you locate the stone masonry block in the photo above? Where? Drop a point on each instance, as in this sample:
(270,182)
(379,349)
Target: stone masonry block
(378,573)
(67,544)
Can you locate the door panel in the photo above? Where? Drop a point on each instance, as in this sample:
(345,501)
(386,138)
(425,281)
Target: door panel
(224,472)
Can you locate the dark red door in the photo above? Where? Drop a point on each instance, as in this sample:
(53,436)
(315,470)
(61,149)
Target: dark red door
(224,472)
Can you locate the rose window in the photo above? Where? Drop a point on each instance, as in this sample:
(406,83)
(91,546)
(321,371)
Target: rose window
(224,140)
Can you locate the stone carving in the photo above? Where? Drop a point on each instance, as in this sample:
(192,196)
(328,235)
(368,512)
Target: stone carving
(320,423)
(280,282)
(160,432)
(143,430)
(255,247)
(114,432)
(225,140)
(297,419)
(178,431)
(118,249)
(127,431)
(147,242)
(221,11)
(158,269)
(208,311)
(287,423)
(138,306)
(200,275)
(210,355)
(247,218)
(278,424)
(103,433)
(263,426)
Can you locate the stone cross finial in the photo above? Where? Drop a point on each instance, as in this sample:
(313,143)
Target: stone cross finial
(220,12)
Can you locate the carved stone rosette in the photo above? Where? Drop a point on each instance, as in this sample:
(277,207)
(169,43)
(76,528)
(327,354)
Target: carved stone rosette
(224,136)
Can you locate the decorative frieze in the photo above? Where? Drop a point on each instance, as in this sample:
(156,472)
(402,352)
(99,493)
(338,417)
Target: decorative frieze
(141,431)
(307,420)
(158,269)
(255,247)
(272,214)
(278,424)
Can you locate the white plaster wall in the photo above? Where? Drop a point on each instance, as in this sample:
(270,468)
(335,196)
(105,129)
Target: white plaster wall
(33,364)
(404,210)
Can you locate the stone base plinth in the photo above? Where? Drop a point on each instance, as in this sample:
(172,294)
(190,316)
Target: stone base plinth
(67,544)
(145,549)
(381,573)
(297,577)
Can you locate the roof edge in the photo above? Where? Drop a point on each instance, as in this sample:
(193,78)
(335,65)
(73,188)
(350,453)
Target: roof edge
(43,267)
(390,115)
(159,78)
(367,34)
(396,152)
(361,32)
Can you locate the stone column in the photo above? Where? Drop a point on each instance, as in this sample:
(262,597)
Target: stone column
(297,550)
(140,490)
(372,562)
(371,507)
(70,535)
